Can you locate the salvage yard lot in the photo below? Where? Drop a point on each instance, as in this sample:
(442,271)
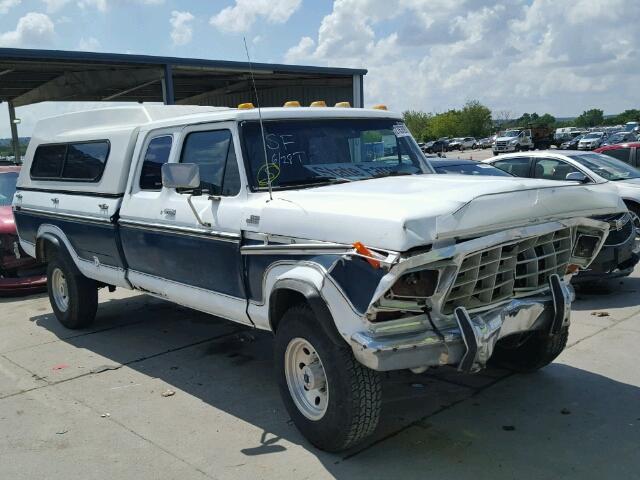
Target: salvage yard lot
(159,391)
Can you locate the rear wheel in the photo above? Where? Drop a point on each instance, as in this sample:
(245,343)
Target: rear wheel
(331,398)
(529,352)
(73,297)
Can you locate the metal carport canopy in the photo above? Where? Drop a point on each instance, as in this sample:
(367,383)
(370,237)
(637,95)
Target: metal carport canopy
(31,76)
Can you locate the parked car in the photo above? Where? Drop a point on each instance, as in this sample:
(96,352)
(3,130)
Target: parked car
(619,137)
(627,152)
(571,144)
(620,253)
(598,170)
(458,166)
(591,140)
(338,241)
(19,273)
(437,146)
(468,142)
(485,143)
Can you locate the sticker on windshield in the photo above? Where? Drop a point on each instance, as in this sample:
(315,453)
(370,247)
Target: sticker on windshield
(401,130)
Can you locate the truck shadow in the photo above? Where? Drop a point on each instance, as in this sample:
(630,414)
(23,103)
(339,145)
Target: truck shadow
(615,293)
(229,368)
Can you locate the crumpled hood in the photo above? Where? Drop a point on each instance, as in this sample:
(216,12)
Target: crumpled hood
(399,213)
(7,222)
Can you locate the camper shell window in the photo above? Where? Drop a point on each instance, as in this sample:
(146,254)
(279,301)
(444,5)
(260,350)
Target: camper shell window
(75,162)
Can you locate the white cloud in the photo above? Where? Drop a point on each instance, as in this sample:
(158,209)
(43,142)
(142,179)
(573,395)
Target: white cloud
(100,5)
(33,30)
(55,5)
(90,44)
(241,16)
(518,55)
(181,29)
(6,5)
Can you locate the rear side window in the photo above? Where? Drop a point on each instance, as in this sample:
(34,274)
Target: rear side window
(515,166)
(85,161)
(620,154)
(48,161)
(156,155)
(82,161)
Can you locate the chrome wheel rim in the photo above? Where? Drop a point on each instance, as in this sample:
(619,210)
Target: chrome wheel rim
(59,290)
(635,219)
(306,379)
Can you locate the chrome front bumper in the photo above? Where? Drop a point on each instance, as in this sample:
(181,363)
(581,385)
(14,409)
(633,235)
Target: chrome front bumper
(469,344)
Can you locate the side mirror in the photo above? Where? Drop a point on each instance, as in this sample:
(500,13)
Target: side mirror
(577,177)
(181,175)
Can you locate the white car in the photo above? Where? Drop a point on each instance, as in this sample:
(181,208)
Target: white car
(463,143)
(591,141)
(603,171)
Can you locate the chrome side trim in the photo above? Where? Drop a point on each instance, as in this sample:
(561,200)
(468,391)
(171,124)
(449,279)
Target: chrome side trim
(296,249)
(189,231)
(71,216)
(173,282)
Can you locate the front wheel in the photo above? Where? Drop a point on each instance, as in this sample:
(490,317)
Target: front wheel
(332,399)
(73,297)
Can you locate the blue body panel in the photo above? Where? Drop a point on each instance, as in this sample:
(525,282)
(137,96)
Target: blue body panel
(196,260)
(88,238)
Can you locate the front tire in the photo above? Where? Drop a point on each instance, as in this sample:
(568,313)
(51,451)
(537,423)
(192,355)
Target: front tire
(73,297)
(529,352)
(332,399)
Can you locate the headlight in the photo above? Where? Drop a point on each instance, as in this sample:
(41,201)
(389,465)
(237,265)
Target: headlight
(415,285)
(585,246)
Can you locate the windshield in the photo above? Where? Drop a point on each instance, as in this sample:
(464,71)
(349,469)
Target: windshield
(511,133)
(313,152)
(471,169)
(7,187)
(592,135)
(607,167)
(617,137)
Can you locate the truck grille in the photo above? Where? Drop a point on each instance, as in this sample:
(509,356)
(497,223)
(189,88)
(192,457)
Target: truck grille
(501,144)
(499,273)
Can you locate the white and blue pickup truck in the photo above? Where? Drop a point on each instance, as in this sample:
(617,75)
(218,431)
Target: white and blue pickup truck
(321,225)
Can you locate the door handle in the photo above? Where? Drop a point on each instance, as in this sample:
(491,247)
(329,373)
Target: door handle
(55,200)
(169,211)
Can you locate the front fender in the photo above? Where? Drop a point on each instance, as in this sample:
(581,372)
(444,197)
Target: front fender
(311,280)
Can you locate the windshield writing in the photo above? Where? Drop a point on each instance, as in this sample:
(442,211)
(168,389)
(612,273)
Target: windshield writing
(312,152)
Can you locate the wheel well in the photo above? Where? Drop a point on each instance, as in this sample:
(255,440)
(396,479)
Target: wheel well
(290,293)
(281,300)
(46,248)
(633,203)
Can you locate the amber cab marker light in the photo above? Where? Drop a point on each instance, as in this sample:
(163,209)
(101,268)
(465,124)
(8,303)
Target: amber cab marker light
(572,268)
(379,107)
(245,106)
(291,103)
(318,103)
(342,105)
(362,250)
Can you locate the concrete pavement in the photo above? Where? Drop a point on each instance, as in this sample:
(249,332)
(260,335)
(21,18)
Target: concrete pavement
(90,404)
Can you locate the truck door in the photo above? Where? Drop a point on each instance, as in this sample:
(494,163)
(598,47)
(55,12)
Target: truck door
(169,252)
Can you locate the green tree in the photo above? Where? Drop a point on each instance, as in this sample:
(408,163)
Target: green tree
(475,119)
(590,118)
(418,123)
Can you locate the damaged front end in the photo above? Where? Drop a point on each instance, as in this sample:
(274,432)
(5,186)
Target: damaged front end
(452,304)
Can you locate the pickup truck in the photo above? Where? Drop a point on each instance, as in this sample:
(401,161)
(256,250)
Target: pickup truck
(519,139)
(322,225)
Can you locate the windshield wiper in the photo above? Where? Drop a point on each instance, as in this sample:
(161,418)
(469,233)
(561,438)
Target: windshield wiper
(391,174)
(310,181)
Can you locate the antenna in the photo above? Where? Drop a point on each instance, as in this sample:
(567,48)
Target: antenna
(264,141)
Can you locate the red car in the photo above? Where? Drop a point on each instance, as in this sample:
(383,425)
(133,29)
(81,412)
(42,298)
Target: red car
(627,152)
(19,273)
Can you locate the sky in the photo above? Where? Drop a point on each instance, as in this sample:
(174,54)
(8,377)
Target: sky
(555,56)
